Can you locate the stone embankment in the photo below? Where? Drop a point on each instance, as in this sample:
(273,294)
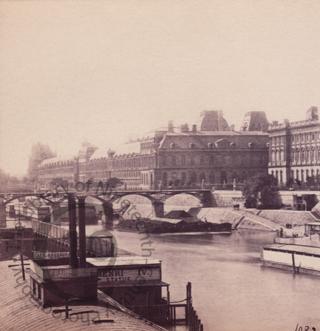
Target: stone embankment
(254,219)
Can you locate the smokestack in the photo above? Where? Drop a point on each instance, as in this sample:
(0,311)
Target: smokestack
(72,231)
(82,231)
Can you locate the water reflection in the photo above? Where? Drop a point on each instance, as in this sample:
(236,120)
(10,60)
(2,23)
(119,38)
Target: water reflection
(231,291)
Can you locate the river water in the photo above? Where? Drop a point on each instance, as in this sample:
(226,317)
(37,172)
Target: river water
(231,290)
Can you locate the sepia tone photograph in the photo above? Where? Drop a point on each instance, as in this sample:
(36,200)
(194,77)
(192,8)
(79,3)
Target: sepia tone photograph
(159,165)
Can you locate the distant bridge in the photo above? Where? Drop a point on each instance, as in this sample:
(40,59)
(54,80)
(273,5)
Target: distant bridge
(156,197)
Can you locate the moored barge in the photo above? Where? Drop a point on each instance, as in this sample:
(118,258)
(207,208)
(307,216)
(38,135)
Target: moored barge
(166,225)
(297,254)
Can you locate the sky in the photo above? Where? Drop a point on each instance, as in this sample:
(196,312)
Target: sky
(105,71)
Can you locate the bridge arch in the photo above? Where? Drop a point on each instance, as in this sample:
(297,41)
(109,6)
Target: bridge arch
(29,195)
(191,194)
(118,196)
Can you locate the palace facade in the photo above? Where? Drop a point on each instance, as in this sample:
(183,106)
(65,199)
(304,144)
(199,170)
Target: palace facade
(294,150)
(211,153)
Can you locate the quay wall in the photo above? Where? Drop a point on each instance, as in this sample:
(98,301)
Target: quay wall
(224,198)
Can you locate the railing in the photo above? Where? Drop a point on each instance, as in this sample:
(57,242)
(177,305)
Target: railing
(193,321)
(167,313)
(50,231)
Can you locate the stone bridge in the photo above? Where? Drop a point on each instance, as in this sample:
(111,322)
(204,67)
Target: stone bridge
(156,197)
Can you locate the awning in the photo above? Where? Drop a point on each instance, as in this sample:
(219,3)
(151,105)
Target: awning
(132,284)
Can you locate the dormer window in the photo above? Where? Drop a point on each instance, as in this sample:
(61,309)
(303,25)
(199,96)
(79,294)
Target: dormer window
(191,145)
(172,145)
(210,145)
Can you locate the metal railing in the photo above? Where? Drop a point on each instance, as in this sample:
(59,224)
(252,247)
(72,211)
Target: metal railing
(51,231)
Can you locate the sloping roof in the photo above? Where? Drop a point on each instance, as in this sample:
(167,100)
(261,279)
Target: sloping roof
(202,139)
(61,158)
(122,261)
(18,312)
(99,153)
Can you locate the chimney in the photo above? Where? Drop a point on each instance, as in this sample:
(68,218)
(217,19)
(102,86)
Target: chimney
(72,230)
(170,127)
(194,128)
(184,128)
(111,153)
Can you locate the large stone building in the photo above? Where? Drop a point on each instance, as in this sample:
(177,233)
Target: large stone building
(210,154)
(294,151)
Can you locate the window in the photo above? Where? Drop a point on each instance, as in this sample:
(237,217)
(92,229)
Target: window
(183,159)
(164,160)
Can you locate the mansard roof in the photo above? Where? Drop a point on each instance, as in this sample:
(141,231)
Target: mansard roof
(57,159)
(214,139)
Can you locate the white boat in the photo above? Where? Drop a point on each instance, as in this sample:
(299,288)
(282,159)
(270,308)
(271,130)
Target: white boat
(298,254)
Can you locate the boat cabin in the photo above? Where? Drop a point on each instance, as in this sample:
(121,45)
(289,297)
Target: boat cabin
(312,228)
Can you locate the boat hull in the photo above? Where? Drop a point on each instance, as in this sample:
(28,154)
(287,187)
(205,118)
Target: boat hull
(294,258)
(156,227)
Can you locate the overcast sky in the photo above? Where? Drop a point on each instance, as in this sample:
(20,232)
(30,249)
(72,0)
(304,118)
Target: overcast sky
(107,70)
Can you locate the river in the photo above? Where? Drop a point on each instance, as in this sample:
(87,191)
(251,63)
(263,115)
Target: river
(231,290)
